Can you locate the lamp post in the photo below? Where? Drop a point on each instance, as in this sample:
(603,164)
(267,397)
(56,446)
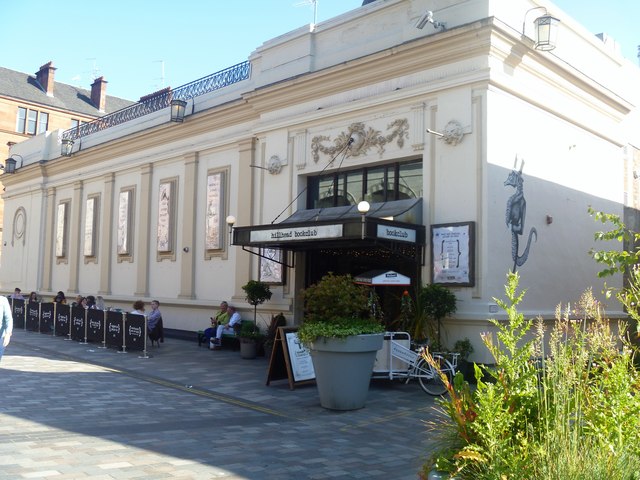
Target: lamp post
(11,163)
(231,221)
(178,108)
(363,209)
(67,147)
(546,33)
(546,30)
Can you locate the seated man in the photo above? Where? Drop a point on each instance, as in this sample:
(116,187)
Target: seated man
(221,318)
(229,328)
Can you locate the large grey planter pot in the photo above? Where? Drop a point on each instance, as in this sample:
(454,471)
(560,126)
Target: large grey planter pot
(248,349)
(343,369)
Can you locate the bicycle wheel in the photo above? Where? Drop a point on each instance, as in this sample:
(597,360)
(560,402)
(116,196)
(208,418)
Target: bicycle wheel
(430,379)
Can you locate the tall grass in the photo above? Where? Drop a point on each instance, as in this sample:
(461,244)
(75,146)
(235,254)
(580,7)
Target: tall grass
(557,405)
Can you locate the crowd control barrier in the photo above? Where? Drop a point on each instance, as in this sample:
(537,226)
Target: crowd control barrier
(109,329)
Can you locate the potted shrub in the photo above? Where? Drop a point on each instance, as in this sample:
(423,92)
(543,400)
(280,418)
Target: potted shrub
(250,335)
(437,302)
(343,336)
(464,348)
(276,321)
(256,293)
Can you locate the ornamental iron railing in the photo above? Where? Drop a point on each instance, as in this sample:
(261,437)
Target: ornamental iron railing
(162,99)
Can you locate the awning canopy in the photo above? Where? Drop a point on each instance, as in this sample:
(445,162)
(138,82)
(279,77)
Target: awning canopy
(382,277)
(342,227)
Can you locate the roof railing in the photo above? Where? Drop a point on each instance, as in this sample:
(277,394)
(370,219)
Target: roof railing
(154,102)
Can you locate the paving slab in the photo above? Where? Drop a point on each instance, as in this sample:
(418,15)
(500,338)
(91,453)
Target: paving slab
(78,411)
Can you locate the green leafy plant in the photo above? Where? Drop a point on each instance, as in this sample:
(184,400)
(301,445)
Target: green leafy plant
(276,321)
(556,405)
(615,260)
(336,307)
(256,293)
(250,331)
(463,347)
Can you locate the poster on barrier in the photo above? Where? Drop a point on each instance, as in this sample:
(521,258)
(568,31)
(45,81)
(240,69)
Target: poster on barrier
(33,317)
(63,323)
(77,323)
(17,310)
(134,331)
(46,317)
(114,330)
(95,325)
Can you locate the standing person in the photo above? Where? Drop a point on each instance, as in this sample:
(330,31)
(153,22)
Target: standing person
(234,320)
(221,318)
(33,297)
(154,323)
(6,328)
(16,295)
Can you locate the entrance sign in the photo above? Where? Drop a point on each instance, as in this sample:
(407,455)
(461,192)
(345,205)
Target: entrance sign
(382,277)
(452,254)
(292,363)
(396,233)
(296,233)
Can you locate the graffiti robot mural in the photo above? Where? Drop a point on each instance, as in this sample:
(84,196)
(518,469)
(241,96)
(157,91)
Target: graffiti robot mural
(515,216)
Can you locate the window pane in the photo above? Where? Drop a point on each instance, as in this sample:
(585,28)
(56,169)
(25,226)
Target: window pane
(341,193)
(44,122)
(391,183)
(326,192)
(20,121)
(32,119)
(375,185)
(354,187)
(410,180)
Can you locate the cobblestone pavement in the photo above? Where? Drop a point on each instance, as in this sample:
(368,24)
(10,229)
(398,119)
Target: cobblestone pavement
(76,411)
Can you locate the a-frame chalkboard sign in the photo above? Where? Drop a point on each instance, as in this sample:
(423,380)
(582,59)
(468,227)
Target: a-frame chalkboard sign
(289,359)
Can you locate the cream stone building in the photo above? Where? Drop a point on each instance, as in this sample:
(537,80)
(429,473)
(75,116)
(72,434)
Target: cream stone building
(477,152)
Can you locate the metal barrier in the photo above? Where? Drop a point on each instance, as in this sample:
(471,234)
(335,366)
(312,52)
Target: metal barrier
(109,329)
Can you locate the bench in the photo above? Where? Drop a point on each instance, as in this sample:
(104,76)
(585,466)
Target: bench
(228,340)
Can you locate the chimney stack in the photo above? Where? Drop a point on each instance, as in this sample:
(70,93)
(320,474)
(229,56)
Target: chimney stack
(45,76)
(99,93)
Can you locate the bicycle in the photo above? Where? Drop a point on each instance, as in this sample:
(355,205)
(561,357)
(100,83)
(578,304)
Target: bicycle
(404,363)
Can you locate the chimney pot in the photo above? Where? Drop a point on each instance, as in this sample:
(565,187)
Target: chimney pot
(99,93)
(45,77)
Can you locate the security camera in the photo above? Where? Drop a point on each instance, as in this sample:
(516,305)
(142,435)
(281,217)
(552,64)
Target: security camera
(424,19)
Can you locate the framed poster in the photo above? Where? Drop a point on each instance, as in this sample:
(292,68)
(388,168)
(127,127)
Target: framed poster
(124,217)
(271,268)
(90,222)
(61,230)
(213,216)
(165,233)
(452,254)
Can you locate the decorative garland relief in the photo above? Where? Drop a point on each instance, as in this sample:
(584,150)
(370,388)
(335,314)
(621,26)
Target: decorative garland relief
(364,138)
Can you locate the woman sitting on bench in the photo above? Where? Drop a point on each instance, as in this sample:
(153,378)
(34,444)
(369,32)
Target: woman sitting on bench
(221,318)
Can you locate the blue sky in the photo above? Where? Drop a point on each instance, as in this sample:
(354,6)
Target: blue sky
(130,41)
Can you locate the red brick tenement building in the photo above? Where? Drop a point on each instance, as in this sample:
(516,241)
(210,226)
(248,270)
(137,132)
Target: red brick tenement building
(31,104)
